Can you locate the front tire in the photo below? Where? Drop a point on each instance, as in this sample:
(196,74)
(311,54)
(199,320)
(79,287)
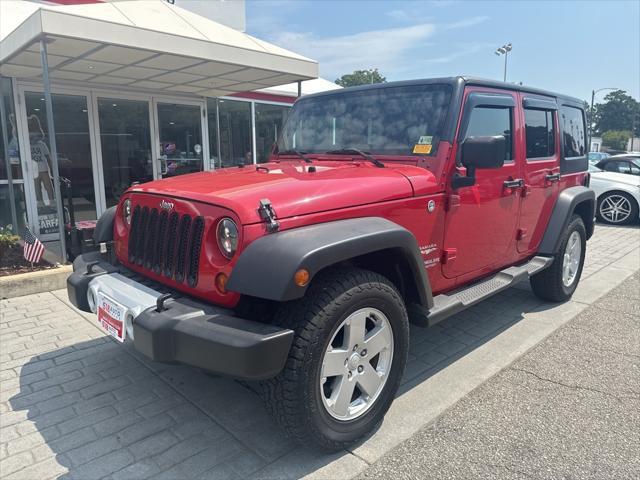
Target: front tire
(558,282)
(617,208)
(346,362)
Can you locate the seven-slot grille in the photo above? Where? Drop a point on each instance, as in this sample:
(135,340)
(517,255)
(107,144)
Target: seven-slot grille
(167,244)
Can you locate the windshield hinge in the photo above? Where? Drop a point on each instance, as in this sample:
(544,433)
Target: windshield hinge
(268,214)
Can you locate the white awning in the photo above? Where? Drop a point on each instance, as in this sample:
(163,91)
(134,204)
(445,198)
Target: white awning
(141,45)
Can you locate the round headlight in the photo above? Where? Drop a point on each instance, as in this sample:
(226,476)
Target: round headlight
(126,211)
(227,237)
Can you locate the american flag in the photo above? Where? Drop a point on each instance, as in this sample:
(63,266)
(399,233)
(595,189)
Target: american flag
(33,248)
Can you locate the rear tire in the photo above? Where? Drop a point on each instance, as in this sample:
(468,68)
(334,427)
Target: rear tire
(305,397)
(558,282)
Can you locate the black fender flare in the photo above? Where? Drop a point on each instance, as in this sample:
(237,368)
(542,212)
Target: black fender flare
(104,227)
(569,200)
(266,268)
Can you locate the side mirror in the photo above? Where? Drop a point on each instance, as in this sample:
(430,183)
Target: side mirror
(480,152)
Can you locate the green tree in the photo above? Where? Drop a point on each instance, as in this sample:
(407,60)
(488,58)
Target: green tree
(616,139)
(619,111)
(361,77)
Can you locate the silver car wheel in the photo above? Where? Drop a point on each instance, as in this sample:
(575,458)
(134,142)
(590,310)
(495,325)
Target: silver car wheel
(615,208)
(571,260)
(356,364)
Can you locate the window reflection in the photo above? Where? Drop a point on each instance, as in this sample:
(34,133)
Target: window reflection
(235,133)
(125,141)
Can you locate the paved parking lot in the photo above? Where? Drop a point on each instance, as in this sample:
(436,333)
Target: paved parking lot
(76,404)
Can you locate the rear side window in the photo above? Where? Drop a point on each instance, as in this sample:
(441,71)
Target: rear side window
(573,132)
(491,121)
(540,133)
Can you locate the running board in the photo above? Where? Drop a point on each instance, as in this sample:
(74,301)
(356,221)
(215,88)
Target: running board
(447,304)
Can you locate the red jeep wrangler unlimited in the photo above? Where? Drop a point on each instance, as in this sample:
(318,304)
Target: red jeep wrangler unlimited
(381,205)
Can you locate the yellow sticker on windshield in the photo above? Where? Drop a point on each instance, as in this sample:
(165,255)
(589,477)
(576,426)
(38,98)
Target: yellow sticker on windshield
(426,149)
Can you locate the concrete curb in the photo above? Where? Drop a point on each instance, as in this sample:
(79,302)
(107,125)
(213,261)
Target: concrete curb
(34,282)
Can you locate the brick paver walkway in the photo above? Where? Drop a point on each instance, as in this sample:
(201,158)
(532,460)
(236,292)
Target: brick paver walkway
(74,403)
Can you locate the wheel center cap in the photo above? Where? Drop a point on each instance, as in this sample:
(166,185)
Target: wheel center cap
(354,361)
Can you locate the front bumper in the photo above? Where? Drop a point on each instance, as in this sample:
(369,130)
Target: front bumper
(182,330)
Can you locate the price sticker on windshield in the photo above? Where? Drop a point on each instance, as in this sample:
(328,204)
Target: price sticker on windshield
(424,149)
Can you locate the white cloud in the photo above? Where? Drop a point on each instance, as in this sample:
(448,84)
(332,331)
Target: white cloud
(462,51)
(466,22)
(386,49)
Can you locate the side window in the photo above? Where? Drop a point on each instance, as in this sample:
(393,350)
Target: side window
(613,166)
(573,136)
(540,133)
(491,121)
(635,170)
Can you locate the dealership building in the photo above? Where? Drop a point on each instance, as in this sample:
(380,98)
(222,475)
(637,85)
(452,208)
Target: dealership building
(139,90)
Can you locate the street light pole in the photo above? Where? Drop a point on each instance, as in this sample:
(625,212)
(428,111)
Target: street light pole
(592,119)
(504,50)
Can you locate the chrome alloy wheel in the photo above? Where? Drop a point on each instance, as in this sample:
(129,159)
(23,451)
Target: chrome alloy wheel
(356,364)
(571,259)
(615,208)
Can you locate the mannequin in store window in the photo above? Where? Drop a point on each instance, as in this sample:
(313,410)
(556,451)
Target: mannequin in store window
(41,158)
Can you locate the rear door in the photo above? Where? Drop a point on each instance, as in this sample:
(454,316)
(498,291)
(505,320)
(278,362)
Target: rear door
(481,221)
(541,168)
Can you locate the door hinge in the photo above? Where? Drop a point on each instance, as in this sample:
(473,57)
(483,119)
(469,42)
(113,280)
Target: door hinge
(453,202)
(448,255)
(268,214)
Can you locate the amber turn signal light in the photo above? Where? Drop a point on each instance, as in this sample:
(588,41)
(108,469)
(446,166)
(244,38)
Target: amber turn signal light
(301,277)
(221,282)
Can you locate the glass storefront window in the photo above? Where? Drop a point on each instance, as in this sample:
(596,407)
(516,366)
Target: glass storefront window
(74,158)
(212,125)
(180,128)
(235,133)
(269,121)
(10,156)
(12,132)
(5,206)
(125,139)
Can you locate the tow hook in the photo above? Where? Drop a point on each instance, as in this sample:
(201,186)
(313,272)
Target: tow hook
(268,214)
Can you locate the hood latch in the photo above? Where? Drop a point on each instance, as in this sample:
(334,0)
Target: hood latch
(268,214)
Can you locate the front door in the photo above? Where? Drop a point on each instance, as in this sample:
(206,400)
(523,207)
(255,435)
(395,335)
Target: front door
(125,144)
(480,225)
(181,145)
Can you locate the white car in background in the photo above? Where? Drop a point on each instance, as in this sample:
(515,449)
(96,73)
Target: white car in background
(618,196)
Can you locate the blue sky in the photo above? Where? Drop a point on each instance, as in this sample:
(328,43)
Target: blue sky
(566,46)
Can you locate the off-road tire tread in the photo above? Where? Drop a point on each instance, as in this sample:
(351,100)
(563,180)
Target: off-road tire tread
(305,317)
(547,285)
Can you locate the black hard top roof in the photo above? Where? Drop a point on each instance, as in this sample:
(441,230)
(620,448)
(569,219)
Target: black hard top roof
(459,81)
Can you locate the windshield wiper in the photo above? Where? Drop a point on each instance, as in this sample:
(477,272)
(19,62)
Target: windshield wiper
(349,151)
(298,153)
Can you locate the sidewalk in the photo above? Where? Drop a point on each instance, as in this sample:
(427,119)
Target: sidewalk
(570,408)
(76,404)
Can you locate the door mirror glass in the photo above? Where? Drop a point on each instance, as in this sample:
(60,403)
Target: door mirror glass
(484,152)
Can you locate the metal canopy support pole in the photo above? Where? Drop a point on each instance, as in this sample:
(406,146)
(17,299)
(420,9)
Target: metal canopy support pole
(299,88)
(53,146)
(5,136)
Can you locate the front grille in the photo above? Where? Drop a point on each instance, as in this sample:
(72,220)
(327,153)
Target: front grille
(168,245)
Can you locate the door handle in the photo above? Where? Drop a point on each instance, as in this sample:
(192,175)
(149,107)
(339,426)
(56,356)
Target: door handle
(552,177)
(518,183)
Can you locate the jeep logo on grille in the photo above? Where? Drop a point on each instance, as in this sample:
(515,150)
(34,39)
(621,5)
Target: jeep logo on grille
(164,205)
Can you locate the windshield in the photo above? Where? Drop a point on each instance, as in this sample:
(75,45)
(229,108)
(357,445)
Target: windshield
(401,120)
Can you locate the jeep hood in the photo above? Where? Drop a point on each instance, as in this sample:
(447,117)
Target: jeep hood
(292,189)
